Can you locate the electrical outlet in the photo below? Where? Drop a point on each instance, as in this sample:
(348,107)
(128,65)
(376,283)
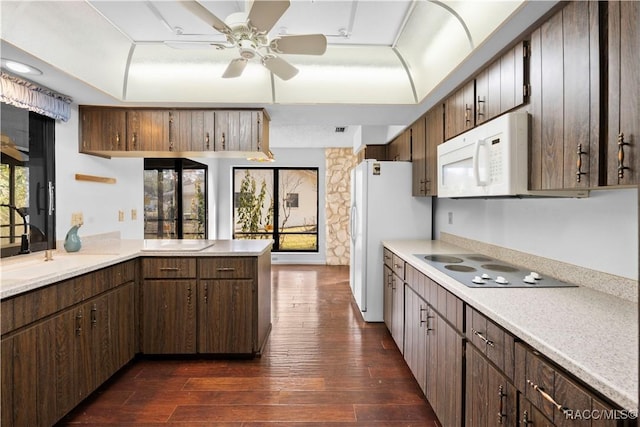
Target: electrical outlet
(450,215)
(120,215)
(134,214)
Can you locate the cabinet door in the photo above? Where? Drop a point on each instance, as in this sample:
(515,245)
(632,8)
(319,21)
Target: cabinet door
(112,326)
(623,140)
(434,136)
(490,398)
(488,93)
(202,130)
(564,68)
(419,157)
(397,312)
(459,110)
(227,131)
(168,316)
(226,316)
(400,148)
(388,298)
(20,371)
(415,354)
(102,130)
(148,130)
(500,86)
(528,415)
(449,377)
(180,127)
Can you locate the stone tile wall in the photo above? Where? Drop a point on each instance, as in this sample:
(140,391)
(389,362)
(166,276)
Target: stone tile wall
(339,162)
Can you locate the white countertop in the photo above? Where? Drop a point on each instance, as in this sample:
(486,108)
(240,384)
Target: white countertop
(23,273)
(591,334)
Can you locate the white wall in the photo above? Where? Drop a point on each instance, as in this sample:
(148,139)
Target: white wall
(599,232)
(221,215)
(99,203)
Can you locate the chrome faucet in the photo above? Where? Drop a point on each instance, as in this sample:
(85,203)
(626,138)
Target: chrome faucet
(24,242)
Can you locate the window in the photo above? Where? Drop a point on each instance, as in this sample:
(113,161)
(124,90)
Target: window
(27,178)
(288,197)
(175,199)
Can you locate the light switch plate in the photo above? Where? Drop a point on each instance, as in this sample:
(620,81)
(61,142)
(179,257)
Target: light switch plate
(134,214)
(120,215)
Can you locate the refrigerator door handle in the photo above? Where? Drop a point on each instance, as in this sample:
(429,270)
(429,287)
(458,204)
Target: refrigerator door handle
(353,223)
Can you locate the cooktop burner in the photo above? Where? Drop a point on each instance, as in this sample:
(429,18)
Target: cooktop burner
(481,271)
(459,267)
(444,258)
(500,267)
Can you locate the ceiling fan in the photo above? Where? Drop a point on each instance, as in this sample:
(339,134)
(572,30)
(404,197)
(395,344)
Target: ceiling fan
(248,32)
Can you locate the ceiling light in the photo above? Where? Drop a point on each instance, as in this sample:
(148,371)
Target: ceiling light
(20,68)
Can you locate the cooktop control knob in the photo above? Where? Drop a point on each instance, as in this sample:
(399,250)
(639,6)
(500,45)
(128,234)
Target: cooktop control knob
(485,276)
(479,280)
(535,275)
(501,280)
(529,279)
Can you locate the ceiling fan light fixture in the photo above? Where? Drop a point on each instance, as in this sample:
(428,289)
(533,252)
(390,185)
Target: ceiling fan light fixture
(248,49)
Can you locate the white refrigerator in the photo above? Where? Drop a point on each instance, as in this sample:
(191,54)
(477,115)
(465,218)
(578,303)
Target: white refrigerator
(382,208)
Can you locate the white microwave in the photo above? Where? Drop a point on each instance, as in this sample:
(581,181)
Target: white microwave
(490,160)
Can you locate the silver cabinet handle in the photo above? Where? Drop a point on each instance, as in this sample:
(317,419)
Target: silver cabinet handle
(169,269)
(227,269)
(483,338)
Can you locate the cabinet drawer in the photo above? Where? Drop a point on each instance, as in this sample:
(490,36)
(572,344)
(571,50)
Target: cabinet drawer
(169,268)
(388,258)
(398,266)
(227,268)
(552,391)
(492,340)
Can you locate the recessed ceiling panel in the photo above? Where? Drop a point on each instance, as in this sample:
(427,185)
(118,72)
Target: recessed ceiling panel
(162,74)
(347,74)
(433,43)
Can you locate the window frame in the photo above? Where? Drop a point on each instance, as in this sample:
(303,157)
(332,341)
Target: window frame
(275,234)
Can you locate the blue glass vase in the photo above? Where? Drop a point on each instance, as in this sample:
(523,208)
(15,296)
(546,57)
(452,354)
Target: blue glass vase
(72,241)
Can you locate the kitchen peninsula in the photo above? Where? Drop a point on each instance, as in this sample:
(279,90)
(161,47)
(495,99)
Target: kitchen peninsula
(69,324)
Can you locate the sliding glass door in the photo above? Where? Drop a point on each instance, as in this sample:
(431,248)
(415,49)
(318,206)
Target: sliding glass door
(175,201)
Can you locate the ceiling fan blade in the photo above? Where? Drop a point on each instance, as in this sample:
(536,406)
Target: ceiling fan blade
(307,44)
(203,13)
(235,68)
(279,67)
(265,13)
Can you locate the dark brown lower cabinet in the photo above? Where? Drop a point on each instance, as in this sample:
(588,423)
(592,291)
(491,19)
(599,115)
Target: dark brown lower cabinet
(225,315)
(50,367)
(490,398)
(450,344)
(415,336)
(169,316)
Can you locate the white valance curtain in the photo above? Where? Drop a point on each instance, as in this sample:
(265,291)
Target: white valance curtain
(25,94)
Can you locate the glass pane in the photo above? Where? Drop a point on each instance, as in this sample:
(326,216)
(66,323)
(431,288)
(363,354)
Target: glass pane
(193,204)
(160,204)
(253,203)
(298,242)
(298,201)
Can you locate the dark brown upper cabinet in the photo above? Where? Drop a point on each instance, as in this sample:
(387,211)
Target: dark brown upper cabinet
(565,99)
(459,110)
(623,135)
(501,86)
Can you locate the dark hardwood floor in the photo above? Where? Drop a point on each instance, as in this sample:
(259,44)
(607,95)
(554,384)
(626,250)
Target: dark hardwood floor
(322,366)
